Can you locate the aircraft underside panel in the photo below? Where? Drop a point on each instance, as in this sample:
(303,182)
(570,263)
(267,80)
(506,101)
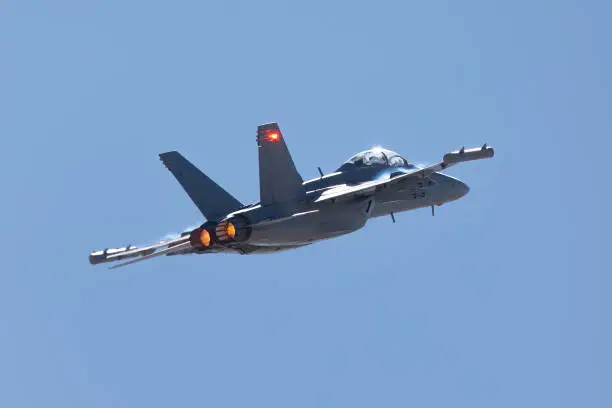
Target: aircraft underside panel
(408,198)
(331,221)
(242,249)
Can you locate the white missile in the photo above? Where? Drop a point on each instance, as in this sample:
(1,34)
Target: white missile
(116,254)
(464,155)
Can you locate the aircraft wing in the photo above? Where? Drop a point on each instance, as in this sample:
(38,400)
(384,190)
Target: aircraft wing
(370,187)
(117,254)
(177,248)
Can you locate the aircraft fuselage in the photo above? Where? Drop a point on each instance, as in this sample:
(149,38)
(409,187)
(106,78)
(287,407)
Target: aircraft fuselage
(327,220)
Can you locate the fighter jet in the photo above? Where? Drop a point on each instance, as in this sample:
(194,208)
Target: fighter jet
(292,212)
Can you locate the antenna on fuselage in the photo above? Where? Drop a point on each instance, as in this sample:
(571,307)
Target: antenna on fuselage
(320,172)
(393,217)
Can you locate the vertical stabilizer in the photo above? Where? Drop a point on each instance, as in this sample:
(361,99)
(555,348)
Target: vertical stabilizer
(279,181)
(212,200)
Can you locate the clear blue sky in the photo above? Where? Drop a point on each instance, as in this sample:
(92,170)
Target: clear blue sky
(501,300)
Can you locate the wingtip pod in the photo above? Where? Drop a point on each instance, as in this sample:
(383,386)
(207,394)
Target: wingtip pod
(117,254)
(464,155)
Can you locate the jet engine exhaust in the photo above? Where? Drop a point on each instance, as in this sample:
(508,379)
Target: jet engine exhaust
(234,230)
(200,238)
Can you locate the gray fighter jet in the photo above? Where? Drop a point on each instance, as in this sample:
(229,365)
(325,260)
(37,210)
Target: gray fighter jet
(292,212)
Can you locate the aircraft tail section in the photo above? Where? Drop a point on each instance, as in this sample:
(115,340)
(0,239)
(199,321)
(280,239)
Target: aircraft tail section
(279,180)
(212,200)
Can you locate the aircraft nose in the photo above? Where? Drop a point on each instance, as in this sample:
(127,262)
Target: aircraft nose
(463,188)
(460,188)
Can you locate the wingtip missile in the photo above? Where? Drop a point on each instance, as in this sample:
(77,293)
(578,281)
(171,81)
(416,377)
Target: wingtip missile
(115,254)
(464,155)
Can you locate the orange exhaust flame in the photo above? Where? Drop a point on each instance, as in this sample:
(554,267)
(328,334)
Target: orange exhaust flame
(230,230)
(205,238)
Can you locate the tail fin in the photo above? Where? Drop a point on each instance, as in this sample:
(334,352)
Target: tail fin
(212,200)
(279,180)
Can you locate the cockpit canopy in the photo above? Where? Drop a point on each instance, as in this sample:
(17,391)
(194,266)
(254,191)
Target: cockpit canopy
(376,157)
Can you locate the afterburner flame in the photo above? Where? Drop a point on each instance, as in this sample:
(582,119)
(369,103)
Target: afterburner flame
(205,238)
(230,230)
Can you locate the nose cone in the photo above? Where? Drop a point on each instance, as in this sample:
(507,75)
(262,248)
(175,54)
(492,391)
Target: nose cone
(460,188)
(451,189)
(456,190)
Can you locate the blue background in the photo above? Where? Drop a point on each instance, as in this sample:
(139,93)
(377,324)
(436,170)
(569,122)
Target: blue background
(500,300)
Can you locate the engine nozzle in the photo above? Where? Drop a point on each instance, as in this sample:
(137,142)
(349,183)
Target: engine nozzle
(236,230)
(200,238)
